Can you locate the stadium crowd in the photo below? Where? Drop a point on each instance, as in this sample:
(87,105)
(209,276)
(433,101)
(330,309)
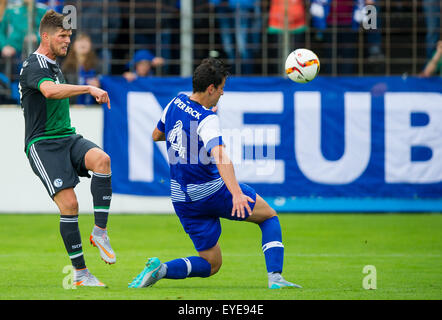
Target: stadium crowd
(136,38)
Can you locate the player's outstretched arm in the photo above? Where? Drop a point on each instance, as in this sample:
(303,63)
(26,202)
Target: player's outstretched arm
(227,172)
(52,90)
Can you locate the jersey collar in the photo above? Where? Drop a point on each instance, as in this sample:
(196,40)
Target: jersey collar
(198,103)
(45,57)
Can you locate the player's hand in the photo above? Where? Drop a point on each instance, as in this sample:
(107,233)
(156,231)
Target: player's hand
(214,109)
(240,204)
(100,95)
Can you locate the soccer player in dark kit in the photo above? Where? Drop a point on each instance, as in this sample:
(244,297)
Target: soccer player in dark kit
(56,153)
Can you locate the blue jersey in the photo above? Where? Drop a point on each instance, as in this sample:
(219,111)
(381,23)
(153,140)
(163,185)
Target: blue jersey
(191,132)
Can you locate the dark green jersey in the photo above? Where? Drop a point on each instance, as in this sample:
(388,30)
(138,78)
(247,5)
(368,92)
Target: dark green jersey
(44,118)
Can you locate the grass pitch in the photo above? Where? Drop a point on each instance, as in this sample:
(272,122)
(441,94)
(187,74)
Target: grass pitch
(324,253)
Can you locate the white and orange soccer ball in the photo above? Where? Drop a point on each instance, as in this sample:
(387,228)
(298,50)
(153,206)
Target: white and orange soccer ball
(302,65)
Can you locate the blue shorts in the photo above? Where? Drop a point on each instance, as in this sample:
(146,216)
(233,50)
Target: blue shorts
(200,219)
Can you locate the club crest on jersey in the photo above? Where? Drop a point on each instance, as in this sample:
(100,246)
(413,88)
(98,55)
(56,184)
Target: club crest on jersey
(187,108)
(58,183)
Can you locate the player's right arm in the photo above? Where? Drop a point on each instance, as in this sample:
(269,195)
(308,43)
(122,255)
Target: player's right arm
(52,90)
(158,135)
(227,173)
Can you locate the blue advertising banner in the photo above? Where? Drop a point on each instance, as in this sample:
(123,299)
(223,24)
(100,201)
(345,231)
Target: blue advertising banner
(335,144)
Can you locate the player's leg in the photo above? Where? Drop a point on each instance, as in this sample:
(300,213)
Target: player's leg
(87,156)
(204,231)
(97,161)
(67,203)
(51,162)
(208,263)
(266,218)
(214,257)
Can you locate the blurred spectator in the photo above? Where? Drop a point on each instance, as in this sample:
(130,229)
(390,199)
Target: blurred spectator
(347,16)
(153,23)
(434,66)
(94,15)
(3,4)
(296,24)
(432,20)
(18,36)
(142,63)
(56,5)
(319,11)
(296,16)
(80,67)
(341,17)
(334,21)
(243,17)
(5,90)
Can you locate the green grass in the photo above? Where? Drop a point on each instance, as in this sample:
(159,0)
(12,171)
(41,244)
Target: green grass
(325,253)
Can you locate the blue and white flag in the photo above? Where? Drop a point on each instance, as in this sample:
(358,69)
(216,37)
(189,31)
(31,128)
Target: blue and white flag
(375,137)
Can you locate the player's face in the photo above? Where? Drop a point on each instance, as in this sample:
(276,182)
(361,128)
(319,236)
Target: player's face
(217,93)
(59,42)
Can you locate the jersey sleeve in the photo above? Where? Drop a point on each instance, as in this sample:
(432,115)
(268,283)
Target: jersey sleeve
(161,125)
(36,73)
(210,132)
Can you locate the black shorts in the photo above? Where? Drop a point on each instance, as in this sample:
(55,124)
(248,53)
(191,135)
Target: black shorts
(59,162)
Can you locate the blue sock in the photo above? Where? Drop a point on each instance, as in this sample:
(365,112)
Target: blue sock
(272,244)
(187,267)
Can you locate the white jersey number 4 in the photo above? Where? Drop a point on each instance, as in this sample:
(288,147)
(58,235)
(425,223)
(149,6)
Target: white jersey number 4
(176,139)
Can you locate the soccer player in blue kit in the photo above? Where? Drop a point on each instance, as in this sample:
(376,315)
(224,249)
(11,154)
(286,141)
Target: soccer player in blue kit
(204,187)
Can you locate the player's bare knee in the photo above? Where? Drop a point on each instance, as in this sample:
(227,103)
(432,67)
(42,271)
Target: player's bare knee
(215,266)
(103,163)
(272,213)
(70,206)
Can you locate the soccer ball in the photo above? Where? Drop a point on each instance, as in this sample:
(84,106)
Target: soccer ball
(302,65)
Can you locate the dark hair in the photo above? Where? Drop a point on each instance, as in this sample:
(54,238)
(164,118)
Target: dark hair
(210,71)
(51,21)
